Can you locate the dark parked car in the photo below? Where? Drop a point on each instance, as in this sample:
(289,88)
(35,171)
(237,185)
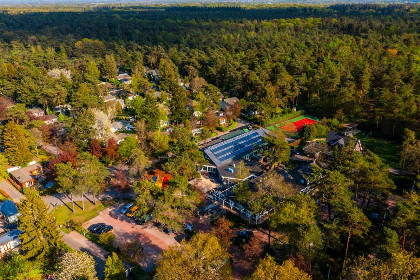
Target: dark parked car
(243,237)
(95,227)
(105,229)
(145,219)
(167,230)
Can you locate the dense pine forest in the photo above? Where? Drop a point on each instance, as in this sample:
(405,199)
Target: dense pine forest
(354,62)
(101,101)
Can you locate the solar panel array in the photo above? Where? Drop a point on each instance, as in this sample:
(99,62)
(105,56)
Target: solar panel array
(229,149)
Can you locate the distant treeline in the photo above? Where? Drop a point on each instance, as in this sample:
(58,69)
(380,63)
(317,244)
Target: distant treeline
(354,62)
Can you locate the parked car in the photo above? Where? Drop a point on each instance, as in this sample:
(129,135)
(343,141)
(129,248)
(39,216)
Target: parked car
(95,227)
(132,211)
(243,237)
(145,219)
(105,229)
(189,227)
(167,230)
(126,208)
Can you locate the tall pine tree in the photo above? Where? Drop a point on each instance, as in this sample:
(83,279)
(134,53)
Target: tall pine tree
(109,68)
(40,234)
(17,146)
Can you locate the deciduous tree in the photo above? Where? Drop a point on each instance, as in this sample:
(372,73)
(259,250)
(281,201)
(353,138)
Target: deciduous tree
(402,265)
(95,148)
(278,151)
(66,175)
(268,269)
(111,149)
(202,258)
(127,146)
(222,229)
(76,265)
(210,120)
(17,267)
(114,268)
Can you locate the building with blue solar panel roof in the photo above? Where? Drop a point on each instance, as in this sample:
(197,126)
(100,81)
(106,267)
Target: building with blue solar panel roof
(227,153)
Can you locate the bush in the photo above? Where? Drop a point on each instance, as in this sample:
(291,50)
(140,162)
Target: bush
(106,239)
(313,131)
(73,225)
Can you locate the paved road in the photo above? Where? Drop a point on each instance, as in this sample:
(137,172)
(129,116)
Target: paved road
(78,242)
(51,149)
(398,172)
(12,191)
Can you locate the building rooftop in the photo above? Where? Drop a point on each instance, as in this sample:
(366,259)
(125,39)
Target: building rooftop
(11,235)
(109,98)
(231,101)
(24,174)
(48,118)
(230,170)
(335,138)
(8,208)
(233,148)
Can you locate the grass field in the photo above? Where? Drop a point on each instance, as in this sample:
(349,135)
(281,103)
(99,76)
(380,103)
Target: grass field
(296,120)
(64,213)
(282,118)
(388,152)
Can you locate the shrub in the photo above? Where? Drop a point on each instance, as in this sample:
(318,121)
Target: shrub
(106,239)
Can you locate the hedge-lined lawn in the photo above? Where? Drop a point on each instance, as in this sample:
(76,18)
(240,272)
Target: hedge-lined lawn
(388,152)
(283,117)
(64,213)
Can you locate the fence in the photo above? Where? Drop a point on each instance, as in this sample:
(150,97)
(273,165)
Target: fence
(222,197)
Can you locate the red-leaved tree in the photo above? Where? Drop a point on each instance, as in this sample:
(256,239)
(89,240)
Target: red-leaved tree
(111,149)
(69,154)
(95,148)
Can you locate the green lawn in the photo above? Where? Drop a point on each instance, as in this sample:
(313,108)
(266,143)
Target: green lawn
(64,213)
(388,152)
(282,117)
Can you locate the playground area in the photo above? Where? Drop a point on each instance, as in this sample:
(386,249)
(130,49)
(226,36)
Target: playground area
(293,125)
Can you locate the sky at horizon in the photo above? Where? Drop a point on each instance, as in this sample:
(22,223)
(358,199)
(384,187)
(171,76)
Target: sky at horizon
(43,2)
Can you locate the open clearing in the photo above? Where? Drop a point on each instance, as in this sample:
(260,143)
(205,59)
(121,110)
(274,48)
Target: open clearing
(64,213)
(388,152)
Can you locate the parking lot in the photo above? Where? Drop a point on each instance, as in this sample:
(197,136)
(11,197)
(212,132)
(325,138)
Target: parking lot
(125,230)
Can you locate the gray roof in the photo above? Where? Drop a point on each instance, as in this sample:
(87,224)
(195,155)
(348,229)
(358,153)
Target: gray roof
(11,235)
(48,117)
(109,98)
(8,208)
(231,101)
(225,170)
(23,174)
(302,172)
(335,138)
(228,150)
(35,111)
